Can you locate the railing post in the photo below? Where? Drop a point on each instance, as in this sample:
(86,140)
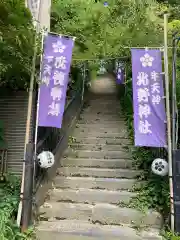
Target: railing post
(28,187)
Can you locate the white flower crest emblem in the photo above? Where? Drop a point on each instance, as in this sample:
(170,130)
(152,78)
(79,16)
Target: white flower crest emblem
(147,60)
(58,47)
(119,76)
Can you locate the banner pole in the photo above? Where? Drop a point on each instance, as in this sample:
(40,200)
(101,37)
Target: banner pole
(168,118)
(28,125)
(37,107)
(29,111)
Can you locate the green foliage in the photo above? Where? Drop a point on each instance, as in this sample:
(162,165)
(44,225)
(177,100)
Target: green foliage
(16,43)
(9,199)
(168,235)
(155,192)
(173,8)
(103,31)
(16,49)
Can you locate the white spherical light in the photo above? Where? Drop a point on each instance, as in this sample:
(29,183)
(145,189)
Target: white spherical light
(160,167)
(45,159)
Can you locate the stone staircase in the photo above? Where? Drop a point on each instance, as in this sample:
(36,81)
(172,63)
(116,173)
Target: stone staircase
(93,186)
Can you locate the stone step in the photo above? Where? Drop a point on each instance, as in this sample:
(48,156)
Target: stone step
(102,103)
(82,230)
(97,105)
(98,172)
(47,234)
(91,130)
(111,116)
(100,113)
(99,147)
(94,107)
(103,86)
(90,196)
(97,134)
(95,183)
(102,108)
(102,132)
(104,125)
(102,121)
(106,110)
(103,163)
(104,100)
(107,141)
(102,213)
(97,154)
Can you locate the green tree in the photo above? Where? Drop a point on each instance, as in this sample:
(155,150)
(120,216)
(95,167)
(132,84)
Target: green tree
(103,30)
(16,43)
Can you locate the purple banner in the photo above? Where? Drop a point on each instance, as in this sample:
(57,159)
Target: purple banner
(120,77)
(54,79)
(148,101)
